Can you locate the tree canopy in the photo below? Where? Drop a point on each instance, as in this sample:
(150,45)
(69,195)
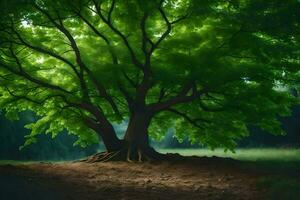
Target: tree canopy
(206,68)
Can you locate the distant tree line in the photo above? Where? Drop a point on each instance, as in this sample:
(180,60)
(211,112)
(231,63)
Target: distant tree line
(12,137)
(291,126)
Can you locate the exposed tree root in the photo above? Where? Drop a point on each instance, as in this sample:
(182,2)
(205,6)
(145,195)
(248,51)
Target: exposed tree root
(105,156)
(154,156)
(124,155)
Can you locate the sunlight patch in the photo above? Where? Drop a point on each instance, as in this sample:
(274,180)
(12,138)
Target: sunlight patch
(40,60)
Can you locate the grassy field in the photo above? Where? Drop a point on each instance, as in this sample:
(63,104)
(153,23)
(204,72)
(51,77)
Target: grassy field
(255,154)
(275,161)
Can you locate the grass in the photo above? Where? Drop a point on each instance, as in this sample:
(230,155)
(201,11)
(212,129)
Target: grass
(255,154)
(22,162)
(14,162)
(268,160)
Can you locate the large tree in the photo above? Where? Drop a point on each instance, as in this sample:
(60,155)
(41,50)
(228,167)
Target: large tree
(206,68)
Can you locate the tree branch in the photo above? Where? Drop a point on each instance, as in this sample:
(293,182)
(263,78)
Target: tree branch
(83,67)
(25,75)
(181,97)
(74,46)
(146,40)
(98,33)
(127,96)
(161,95)
(208,109)
(189,119)
(47,52)
(108,22)
(129,79)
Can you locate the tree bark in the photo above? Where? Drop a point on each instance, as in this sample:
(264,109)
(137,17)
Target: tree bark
(137,131)
(107,134)
(137,138)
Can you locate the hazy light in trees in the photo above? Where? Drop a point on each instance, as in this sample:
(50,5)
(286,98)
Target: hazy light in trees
(40,60)
(25,23)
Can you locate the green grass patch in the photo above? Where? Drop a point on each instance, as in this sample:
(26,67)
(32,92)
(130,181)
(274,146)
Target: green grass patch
(266,160)
(20,162)
(14,162)
(255,154)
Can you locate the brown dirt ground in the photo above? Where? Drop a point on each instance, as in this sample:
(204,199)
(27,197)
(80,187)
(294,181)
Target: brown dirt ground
(203,178)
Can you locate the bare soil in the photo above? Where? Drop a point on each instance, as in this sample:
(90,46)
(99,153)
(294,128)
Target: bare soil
(193,178)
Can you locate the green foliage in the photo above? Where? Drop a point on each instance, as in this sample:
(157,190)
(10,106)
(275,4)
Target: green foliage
(242,55)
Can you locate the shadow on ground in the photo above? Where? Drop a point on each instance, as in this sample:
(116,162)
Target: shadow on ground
(14,187)
(180,178)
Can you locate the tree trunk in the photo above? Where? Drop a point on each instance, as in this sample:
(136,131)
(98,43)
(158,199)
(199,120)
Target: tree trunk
(107,134)
(136,136)
(135,143)
(137,131)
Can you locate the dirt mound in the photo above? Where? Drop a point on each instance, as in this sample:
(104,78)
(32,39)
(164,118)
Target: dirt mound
(177,178)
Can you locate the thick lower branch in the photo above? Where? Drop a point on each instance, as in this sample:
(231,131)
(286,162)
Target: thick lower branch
(107,134)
